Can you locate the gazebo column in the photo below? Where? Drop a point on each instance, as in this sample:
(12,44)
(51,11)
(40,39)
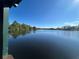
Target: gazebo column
(7,4)
(5,30)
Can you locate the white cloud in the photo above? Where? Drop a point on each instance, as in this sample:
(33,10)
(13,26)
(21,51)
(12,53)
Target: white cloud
(73,4)
(72,23)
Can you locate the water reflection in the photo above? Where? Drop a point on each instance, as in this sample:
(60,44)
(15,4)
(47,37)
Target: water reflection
(45,44)
(15,35)
(66,34)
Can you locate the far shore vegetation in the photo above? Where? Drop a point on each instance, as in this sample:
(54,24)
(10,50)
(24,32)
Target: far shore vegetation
(18,28)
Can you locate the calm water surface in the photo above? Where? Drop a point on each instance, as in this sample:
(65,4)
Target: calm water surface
(45,44)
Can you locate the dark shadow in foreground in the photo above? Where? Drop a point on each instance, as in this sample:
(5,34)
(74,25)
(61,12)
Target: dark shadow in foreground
(33,49)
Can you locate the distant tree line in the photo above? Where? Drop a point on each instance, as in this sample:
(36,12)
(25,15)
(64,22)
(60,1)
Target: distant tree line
(69,28)
(16,27)
(73,28)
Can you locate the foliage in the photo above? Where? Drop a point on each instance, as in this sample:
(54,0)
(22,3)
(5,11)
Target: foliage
(18,28)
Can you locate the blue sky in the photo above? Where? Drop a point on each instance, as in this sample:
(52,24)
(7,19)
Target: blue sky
(46,13)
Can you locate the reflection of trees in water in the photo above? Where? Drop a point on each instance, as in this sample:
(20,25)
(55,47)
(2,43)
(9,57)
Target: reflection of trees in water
(34,31)
(16,34)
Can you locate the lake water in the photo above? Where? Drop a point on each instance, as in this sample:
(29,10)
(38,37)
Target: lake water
(45,44)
